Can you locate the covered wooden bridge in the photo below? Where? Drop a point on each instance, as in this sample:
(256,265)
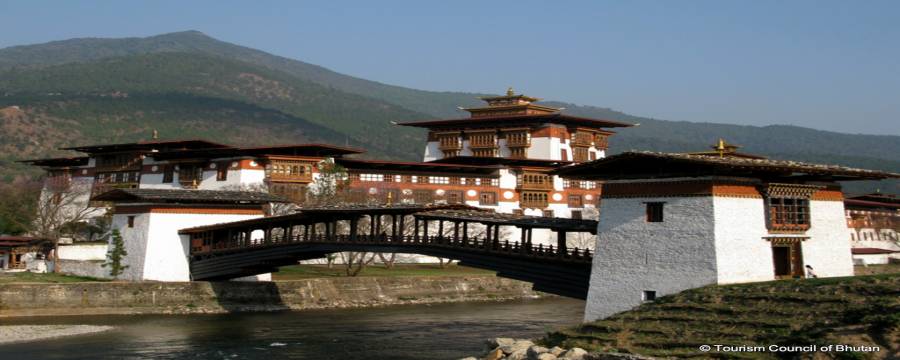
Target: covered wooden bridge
(472,236)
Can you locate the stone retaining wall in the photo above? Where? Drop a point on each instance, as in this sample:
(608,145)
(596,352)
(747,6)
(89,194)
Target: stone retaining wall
(216,297)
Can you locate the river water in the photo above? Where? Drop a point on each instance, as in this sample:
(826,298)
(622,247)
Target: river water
(443,331)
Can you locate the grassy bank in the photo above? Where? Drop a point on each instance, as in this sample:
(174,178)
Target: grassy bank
(298,272)
(30,277)
(852,310)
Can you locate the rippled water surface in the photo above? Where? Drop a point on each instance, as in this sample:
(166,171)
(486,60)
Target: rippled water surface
(445,331)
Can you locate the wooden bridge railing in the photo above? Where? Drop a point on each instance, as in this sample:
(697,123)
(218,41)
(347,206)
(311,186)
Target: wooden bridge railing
(204,244)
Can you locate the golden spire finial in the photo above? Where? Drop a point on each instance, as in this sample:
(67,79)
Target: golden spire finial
(390,198)
(510,92)
(722,147)
(155,134)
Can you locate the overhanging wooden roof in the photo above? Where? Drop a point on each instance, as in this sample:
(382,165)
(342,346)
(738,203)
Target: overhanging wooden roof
(58,162)
(493,218)
(11,241)
(309,150)
(517,120)
(187,196)
(312,214)
(160,145)
(419,167)
(497,161)
(655,165)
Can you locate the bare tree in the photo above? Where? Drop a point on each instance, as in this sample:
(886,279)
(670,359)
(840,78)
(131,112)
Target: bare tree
(61,208)
(582,240)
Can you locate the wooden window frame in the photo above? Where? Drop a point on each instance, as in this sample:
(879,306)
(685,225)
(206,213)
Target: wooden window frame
(487,198)
(575,201)
(787,214)
(168,174)
(221,172)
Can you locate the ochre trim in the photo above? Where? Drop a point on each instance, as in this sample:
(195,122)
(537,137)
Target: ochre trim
(551,132)
(738,191)
(828,195)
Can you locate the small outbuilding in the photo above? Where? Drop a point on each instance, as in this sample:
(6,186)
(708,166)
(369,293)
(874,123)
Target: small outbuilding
(149,220)
(671,222)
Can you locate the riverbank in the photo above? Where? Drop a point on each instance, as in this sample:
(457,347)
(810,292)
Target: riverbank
(861,311)
(22,333)
(93,298)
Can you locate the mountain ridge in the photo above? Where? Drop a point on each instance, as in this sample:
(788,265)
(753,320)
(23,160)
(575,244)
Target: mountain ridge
(357,108)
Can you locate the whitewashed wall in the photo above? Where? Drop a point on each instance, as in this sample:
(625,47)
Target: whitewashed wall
(828,249)
(634,255)
(83,251)
(743,253)
(155,249)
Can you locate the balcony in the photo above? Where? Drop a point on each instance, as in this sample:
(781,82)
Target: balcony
(449,142)
(540,182)
(482,140)
(289,171)
(533,200)
(518,139)
(582,139)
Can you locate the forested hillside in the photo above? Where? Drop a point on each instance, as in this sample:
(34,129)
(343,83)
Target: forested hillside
(188,84)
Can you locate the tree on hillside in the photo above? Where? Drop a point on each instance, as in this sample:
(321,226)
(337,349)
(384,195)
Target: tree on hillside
(18,202)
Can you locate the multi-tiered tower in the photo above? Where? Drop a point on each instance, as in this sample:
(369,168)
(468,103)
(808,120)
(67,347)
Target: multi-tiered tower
(514,126)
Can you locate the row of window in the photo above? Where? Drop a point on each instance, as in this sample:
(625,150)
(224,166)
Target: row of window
(118,177)
(487,198)
(576,184)
(437,180)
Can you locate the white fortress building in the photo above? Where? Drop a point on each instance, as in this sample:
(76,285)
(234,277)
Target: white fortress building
(499,158)
(671,222)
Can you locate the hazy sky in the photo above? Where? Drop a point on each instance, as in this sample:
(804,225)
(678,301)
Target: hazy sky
(832,65)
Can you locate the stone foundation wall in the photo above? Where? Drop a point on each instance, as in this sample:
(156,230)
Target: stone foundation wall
(218,297)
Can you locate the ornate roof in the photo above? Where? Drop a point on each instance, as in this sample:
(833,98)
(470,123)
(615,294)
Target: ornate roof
(517,120)
(652,165)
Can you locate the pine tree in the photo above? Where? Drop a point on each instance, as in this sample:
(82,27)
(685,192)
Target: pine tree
(114,256)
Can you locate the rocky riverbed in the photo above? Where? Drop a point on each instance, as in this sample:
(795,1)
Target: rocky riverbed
(521,349)
(20,333)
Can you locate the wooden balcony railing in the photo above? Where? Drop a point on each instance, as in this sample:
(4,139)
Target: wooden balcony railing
(204,245)
(450,142)
(518,139)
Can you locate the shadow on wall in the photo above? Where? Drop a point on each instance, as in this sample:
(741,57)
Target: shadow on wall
(238,296)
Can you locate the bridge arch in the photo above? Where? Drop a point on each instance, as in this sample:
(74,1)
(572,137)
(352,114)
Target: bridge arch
(470,235)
